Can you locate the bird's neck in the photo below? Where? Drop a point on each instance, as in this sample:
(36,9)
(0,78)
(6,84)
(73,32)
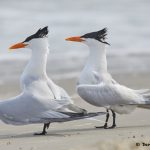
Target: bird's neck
(97,58)
(36,68)
(37,64)
(96,63)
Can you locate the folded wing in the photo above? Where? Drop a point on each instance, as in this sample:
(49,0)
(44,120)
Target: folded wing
(109,94)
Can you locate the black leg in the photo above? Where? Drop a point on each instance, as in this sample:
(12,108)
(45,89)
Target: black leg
(114,120)
(46,126)
(107,118)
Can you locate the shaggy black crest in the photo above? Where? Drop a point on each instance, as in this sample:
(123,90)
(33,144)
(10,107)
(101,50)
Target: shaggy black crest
(98,35)
(41,33)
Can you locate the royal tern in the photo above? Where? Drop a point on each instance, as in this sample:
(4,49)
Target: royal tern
(41,100)
(97,87)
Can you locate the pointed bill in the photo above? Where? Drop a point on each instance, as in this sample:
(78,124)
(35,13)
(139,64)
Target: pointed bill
(18,45)
(75,39)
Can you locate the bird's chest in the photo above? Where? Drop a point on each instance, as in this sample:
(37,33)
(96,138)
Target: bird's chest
(40,90)
(93,76)
(87,77)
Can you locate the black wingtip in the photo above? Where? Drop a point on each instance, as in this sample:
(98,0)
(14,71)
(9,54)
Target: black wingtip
(74,116)
(83,115)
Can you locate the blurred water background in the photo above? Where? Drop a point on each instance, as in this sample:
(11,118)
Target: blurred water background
(128,24)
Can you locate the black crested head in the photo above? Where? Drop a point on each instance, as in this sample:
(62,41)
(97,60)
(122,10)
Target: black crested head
(98,35)
(41,33)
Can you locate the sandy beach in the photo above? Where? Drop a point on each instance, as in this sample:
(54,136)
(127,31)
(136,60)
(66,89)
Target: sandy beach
(82,134)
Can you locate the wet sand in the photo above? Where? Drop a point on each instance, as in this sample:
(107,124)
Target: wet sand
(81,134)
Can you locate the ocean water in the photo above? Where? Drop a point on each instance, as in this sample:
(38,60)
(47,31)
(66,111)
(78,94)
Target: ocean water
(128,24)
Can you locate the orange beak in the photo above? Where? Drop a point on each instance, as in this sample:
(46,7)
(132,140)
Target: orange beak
(18,45)
(75,39)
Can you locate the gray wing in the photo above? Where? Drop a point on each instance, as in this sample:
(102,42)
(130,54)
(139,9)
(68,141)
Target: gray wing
(64,99)
(25,109)
(109,94)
